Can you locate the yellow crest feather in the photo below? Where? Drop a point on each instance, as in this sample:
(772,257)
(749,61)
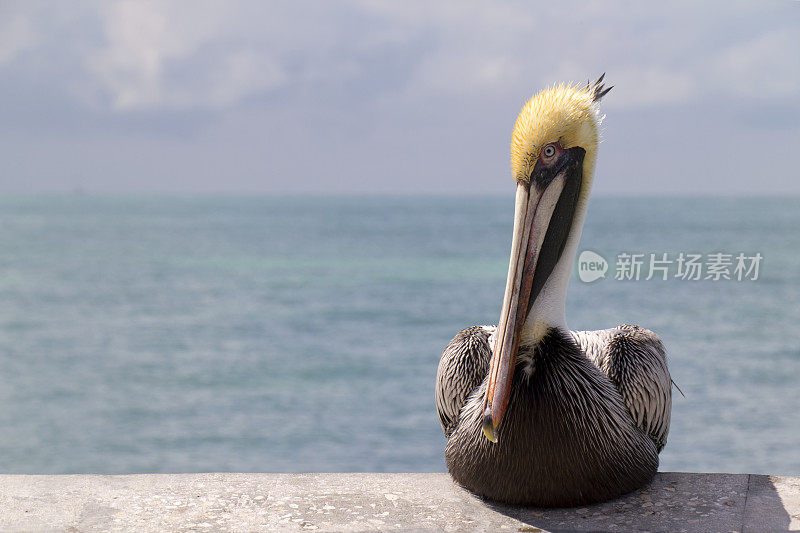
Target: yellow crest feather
(567,114)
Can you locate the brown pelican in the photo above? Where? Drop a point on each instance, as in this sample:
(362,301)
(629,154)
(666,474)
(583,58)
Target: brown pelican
(534,413)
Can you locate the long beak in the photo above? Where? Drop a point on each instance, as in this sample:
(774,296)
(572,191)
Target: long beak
(535,206)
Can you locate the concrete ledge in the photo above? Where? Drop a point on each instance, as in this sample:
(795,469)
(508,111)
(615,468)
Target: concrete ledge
(361,502)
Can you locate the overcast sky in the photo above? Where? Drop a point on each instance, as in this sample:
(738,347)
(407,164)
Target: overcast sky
(400,97)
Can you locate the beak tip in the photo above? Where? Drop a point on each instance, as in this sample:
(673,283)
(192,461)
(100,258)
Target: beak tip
(489,430)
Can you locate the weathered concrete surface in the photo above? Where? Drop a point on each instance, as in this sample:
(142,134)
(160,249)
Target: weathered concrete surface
(361,502)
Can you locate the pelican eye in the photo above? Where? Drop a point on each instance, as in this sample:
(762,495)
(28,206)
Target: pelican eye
(549,151)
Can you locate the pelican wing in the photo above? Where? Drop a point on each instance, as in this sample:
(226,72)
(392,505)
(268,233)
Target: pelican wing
(635,361)
(462,368)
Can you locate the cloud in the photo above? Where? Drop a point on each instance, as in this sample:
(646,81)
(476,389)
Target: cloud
(763,67)
(388,96)
(652,86)
(177,55)
(16,34)
(209,55)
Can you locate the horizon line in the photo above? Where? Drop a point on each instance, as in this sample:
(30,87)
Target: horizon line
(388,194)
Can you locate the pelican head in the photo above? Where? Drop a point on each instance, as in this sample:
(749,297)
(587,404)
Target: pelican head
(553,151)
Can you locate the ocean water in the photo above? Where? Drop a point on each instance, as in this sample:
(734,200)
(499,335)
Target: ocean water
(190,334)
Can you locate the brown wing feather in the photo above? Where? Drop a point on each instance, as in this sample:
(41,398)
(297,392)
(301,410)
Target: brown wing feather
(462,368)
(634,359)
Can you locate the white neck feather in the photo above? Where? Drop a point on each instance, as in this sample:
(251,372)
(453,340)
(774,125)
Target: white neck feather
(549,309)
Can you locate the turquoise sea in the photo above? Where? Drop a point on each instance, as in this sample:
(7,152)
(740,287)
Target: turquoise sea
(192,334)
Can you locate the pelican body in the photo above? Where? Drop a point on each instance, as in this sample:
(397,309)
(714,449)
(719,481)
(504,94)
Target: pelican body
(536,414)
